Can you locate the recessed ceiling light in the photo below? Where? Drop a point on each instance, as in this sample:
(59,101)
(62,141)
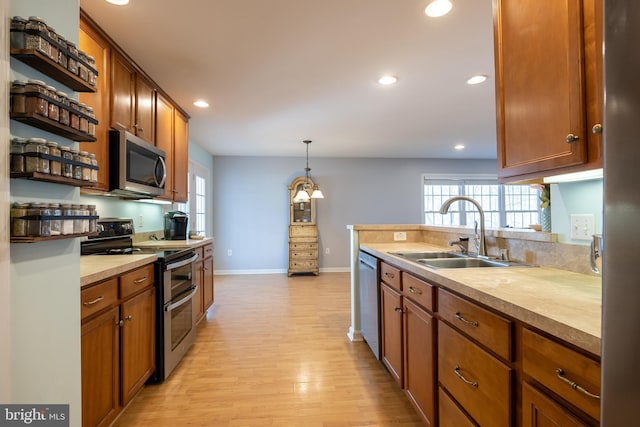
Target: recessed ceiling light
(387,80)
(474,80)
(201,104)
(118,2)
(438,8)
(458,147)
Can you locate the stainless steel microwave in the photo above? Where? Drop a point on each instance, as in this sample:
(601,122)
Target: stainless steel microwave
(137,168)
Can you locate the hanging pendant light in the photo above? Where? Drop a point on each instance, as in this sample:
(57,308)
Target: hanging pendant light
(308,191)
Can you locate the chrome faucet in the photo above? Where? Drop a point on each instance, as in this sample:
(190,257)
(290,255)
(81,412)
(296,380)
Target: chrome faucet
(482,246)
(462,243)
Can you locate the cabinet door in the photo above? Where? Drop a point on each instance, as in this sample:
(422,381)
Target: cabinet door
(180,158)
(419,375)
(593,39)
(540,85)
(539,410)
(122,93)
(198,298)
(145,103)
(96,46)
(391,320)
(138,342)
(208,282)
(164,139)
(100,356)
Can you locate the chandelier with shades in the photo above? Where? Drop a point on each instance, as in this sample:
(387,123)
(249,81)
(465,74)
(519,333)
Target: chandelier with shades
(309,190)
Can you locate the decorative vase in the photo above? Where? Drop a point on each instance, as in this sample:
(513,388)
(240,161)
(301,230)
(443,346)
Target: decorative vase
(545,219)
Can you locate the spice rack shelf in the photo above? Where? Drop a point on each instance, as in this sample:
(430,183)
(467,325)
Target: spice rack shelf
(38,176)
(44,123)
(44,238)
(46,65)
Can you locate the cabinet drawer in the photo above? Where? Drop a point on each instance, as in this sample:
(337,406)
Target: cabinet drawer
(303,246)
(541,360)
(303,264)
(98,297)
(539,410)
(478,381)
(419,291)
(450,414)
(303,231)
(136,280)
(207,251)
(301,254)
(200,252)
(482,325)
(390,276)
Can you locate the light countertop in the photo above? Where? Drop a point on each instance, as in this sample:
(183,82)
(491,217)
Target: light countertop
(94,268)
(173,244)
(564,304)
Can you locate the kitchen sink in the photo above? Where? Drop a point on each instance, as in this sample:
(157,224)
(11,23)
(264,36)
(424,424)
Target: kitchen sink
(466,262)
(416,256)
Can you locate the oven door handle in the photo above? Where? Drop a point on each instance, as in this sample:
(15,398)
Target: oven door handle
(181,263)
(184,300)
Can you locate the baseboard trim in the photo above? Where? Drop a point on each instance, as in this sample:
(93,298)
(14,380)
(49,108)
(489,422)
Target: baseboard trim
(276,271)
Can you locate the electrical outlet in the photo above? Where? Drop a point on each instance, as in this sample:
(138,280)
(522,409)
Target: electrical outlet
(229,252)
(327,251)
(583,227)
(140,222)
(399,235)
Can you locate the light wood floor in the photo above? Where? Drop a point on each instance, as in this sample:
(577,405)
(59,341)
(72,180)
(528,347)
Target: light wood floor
(273,351)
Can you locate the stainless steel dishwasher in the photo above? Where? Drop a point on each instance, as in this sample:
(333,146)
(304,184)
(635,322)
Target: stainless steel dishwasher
(369,300)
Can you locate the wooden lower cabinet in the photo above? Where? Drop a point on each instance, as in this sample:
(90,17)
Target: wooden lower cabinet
(538,410)
(204,278)
(419,375)
(117,343)
(100,358)
(450,414)
(391,321)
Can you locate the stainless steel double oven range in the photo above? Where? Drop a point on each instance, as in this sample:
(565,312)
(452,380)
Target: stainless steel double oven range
(175,290)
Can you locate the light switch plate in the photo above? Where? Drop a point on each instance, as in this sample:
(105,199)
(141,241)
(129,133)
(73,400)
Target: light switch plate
(399,235)
(583,227)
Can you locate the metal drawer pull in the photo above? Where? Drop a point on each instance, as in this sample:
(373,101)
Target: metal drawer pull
(573,384)
(138,281)
(456,370)
(389,275)
(468,322)
(414,290)
(89,303)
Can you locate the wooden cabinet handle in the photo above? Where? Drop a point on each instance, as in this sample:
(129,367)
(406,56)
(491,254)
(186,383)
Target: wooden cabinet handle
(414,290)
(456,370)
(573,384)
(95,301)
(468,322)
(141,280)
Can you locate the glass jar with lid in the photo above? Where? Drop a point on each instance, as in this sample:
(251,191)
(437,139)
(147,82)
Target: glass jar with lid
(35,102)
(94,167)
(77,219)
(83,71)
(77,164)
(18,24)
(74,118)
(18,99)
(66,159)
(62,51)
(39,220)
(34,161)
(67,218)
(19,210)
(84,213)
(18,147)
(54,110)
(72,60)
(64,108)
(56,220)
(55,166)
(86,161)
(83,125)
(92,76)
(53,45)
(91,126)
(93,219)
(35,39)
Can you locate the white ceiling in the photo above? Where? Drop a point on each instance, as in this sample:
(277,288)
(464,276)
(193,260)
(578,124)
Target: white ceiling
(276,72)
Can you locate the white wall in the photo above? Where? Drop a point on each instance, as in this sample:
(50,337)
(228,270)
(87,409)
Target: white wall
(585,197)
(45,277)
(251,205)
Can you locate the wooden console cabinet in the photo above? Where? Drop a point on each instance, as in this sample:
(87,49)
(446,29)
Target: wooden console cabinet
(303,232)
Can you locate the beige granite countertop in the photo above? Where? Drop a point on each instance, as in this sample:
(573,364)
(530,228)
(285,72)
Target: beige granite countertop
(94,268)
(169,244)
(565,304)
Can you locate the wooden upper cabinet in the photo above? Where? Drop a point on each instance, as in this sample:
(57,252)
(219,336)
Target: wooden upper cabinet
(180,157)
(145,112)
(95,45)
(122,93)
(164,139)
(548,86)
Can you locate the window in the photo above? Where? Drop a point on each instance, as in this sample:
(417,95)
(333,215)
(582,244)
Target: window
(196,206)
(504,205)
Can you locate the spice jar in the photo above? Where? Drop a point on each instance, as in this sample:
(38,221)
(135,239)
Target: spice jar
(94,169)
(53,44)
(35,36)
(18,99)
(83,71)
(64,108)
(56,220)
(34,161)
(67,220)
(66,159)
(86,161)
(35,101)
(18,223)
(74,118)
(55,167)
(91,127)
(91,71)
(83,122)
(18,24)
(93,219)
(39,221)
(54,110)
(77,219)
(18,146)
(84,213)
(72,60)
(62,51)
(77,165)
